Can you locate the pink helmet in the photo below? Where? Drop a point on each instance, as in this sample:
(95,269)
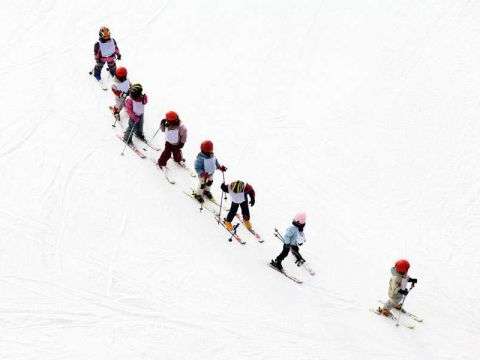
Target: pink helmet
(300,218)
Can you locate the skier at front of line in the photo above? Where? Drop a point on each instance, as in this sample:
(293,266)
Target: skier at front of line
(397,289)
(292,239)
(205,166)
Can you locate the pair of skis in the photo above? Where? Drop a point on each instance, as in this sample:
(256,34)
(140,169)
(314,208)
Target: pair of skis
(287,275)
(133,147)
(233,232)
(166,171)
(240,219)
(405,312)
(395,317)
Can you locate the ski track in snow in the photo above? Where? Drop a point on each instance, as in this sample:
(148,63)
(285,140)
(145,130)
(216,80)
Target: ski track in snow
(364,115)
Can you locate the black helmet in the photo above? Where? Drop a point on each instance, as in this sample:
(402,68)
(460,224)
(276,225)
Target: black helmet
(237,186)
(136,90)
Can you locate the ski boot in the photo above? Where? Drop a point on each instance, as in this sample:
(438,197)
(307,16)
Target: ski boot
(208,194)
(247,224)
(141,138)
(384,312)
(228,225)
(277,265)
(199,198)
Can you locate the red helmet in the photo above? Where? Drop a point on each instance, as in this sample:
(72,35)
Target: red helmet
(402,266)
(121,72)
(171,116)
(206,146)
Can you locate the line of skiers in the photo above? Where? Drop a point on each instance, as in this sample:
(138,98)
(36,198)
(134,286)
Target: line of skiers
(127,95)
(133,99)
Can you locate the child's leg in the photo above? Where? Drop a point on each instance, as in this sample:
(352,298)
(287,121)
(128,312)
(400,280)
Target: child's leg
(393,303)
(167,152)
(112,67)
(245,211)
(296,253)
(208,183)
(139,128)
(177,153)
(97,70)
(127,137)
(201,185)
(283,254)
(119,102)
(232,212)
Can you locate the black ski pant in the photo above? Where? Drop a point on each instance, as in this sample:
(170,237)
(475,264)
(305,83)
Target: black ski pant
(286,250)
(112,67)
(234,208)
(137,130)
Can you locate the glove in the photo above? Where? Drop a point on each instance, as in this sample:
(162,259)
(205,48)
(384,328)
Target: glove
(164,123)
(119,56)
(412,280)
(252,201)
(224,187)
(403,292)
(204,174)
(222,168)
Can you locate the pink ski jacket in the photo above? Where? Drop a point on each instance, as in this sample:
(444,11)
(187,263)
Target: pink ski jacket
(131,104)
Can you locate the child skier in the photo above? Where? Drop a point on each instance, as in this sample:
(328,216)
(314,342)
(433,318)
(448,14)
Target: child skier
(105,51)
(175,138)
(205,165)
(135,105)
(292,239)
(238,191)
(120,88)
(397,289)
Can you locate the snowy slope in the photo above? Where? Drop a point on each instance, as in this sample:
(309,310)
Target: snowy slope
(364,114)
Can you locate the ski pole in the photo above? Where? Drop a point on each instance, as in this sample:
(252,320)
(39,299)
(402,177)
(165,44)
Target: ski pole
(401,304)
(156,132)
(128,139)
(278,235)
(221,199)
(117,117)
(225,194)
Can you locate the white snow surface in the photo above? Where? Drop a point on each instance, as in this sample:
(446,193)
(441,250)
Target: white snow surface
(364,114)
